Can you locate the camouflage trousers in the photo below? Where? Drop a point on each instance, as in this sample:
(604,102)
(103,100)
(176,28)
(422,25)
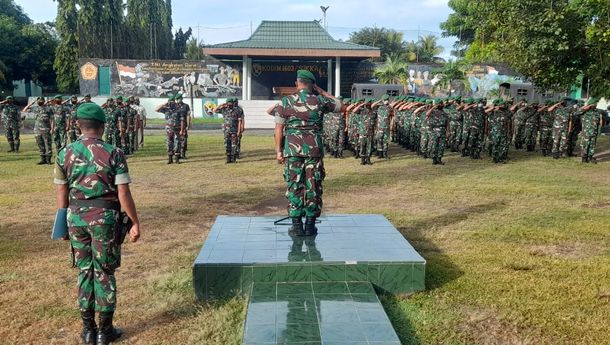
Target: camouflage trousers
(530,134)
(96,255)
(423,142)
(572,141)
(519,135)
(173,141)
(560,141)
(415,139)
(436,143)
(546,140)
(336,138)
(455,135)
(382,140)
(129,141)
(59,138)
(304,177)
(231,140)
(499,146)
(43,140)
(185,140)
(587,146)
(12,135)
(473,142)
(365,145)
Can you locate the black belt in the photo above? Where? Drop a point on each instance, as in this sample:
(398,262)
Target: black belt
(96,203)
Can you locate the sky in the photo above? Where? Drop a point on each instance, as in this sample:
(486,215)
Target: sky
(216,22)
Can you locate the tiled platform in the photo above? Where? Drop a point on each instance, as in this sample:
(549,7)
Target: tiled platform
(317,313)
(240,251)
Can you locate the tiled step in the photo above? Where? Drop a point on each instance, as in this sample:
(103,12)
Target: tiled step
(240,251)
(346,313)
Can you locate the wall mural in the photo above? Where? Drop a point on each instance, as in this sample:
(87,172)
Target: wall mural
(208,78)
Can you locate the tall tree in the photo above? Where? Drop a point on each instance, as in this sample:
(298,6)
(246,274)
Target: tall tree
(180,43)
(194,50)
(66,55)
(393,71)
(390,42)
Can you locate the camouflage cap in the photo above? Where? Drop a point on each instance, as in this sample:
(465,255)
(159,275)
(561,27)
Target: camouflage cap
(90,111)
(304,74)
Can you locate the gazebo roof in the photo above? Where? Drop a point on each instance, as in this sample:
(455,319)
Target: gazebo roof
(292,38)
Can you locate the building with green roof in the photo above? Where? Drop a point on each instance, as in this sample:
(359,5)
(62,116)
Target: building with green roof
(277,49)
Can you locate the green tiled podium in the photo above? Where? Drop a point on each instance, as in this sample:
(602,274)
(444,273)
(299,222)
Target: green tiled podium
(330,279)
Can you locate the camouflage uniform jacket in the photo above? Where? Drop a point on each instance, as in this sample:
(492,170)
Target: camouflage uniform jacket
(172,118)
(183,111)
(302,114)
(562,119)
(60,115)
(43,117)
(437,120)
(231,118)
(366,127)
(92,169)
(10,116)
(383,117)
(592,121)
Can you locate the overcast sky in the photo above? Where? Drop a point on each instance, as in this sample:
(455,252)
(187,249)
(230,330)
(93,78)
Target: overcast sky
(217,21)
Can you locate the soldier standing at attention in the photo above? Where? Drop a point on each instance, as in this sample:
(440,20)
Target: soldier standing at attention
(546,128)
(385,124)
(184,111)
(242,127)
(42,128)
(592,122)
(500,130)
(130,126)
(575,127)
(438,124)
(11,122)
(111,120)
(233,124)
(92,181)
(174,129)
(456,121)
(73,130)
(141,121)
(561,127)
(302,153)
(520,110)
(60,123)
(532,122)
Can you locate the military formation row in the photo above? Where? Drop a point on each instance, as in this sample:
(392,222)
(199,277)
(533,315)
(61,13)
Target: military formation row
(55,123)
(469,126)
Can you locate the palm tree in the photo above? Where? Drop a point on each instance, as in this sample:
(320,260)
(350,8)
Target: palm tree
(450,72)
(395,70)
(428,48)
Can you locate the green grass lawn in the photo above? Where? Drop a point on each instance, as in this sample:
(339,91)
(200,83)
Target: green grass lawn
(196,121)
(516,253)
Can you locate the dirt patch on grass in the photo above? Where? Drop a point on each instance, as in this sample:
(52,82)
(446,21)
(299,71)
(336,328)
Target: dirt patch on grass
(485,327)
(569,251)
(275,205)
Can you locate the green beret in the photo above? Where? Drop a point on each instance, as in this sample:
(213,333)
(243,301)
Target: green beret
(40,98)
(304,74)
(9,98)
(592,101)
(58,97)
(437,101)
(385,97)
(170,97)
(119,98)
(87,95)
(90,111)
(549,102)
(340,98)
(346,100)
(73,97)
(178,96)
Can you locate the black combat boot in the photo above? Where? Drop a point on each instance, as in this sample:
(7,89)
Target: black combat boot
(592,160)
(43,160)
(49,160)
(17,146)
(439,161)
(368,160)
(363,160)
(170,159)
(297,227)
(177,159)
(310,226)
(556,155)
(585,159)
(89,327)
(107,333)
(340,154)
(12,148)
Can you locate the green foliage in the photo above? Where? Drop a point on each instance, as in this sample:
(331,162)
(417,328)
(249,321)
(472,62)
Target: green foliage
(451,72)
(194,50)
(27,49)
(389,41)
(395,70)
(180,43)
(66,56)
(550,42)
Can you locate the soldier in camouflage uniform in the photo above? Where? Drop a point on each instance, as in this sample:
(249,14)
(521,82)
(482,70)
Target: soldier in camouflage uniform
(500,130)
(366,130)
(73,130)
(531,125)
(92,181)
(592,122)
(520,110)
(174,129)
(11,120)
(110,109)
(561,127)
(184,112)
(385,123)
(438,123)
(456,123)
(233,117)
(546,129)
(334,128)
(424,129)
(301,116)
(140,121)
(60,122)
(42,128)
(353,124)
(575,128)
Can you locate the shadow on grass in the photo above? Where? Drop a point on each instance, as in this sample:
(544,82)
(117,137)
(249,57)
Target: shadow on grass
(400,321)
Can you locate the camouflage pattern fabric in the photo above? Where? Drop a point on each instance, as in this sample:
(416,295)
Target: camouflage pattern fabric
(574,131)
(560,131)
(519,125)
(531,126)
(112,129)
(473,134)
(173,124)
(73,130)
(415,138)
(456,121)
(424,134)
(11,121)
(366,131)
(546,132)
(131,117)
(183,110)
(302,116)
(398,132)
(231,117)
(407,130)
(437,122)
(60,118)
(382,130)
(592,121)
(499,124)
(42,128)
(92,169)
